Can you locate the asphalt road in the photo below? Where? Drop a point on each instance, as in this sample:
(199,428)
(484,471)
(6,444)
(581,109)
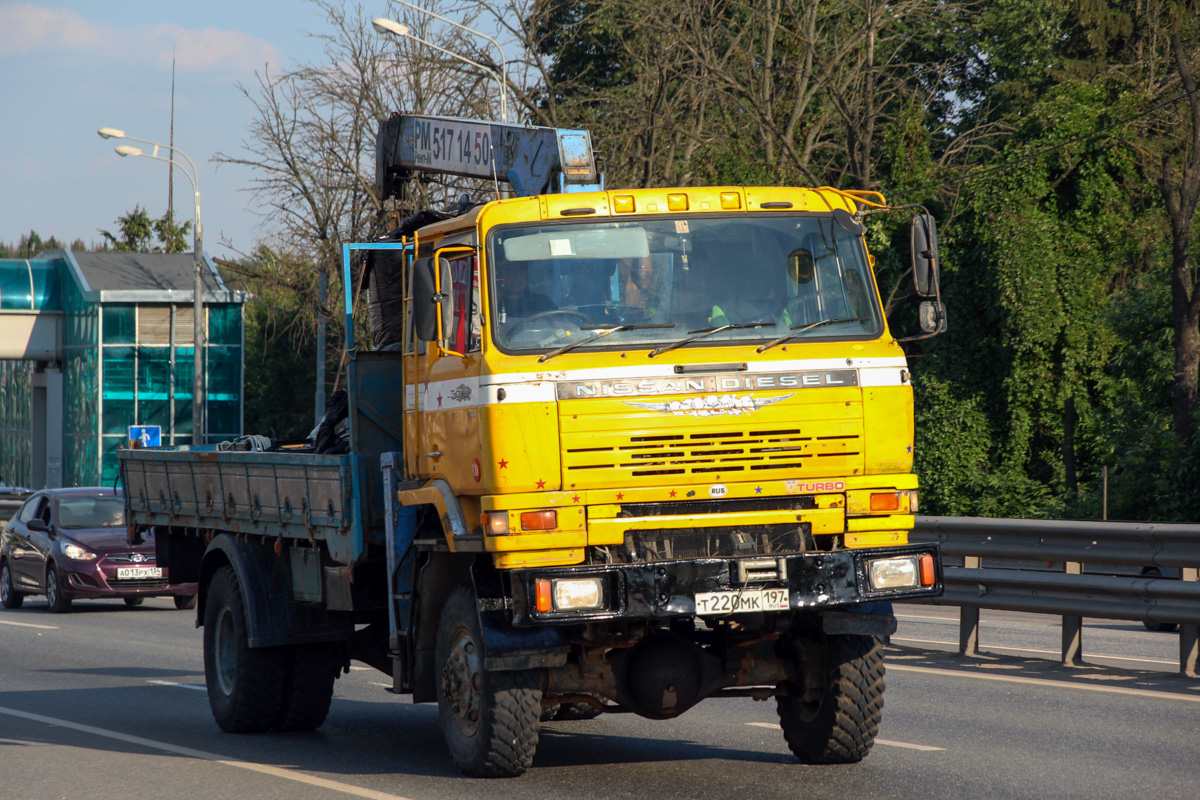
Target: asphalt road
(108,702)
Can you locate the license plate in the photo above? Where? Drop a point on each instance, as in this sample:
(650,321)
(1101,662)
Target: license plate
(743,602)
(126,573)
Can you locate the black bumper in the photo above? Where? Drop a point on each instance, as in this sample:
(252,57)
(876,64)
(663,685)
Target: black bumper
(665,589)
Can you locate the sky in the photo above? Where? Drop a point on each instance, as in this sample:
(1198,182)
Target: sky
(70,67)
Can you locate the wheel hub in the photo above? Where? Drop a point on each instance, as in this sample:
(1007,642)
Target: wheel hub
(224,645)
(462,682)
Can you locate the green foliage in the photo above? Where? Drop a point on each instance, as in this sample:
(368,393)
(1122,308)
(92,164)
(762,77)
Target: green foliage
(138,233)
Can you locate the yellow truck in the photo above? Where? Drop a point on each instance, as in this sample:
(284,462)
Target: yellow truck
(613,451)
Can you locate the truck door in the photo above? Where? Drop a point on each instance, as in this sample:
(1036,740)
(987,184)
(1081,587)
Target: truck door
(448,395)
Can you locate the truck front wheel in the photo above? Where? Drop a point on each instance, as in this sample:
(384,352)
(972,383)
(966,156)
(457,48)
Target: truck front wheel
(490,719)
(245,684)
(836,721)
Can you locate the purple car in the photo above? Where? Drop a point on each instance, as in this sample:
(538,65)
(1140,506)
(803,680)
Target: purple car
(71,544)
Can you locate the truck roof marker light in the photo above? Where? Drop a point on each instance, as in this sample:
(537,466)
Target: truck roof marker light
(677,202)
(545,598)
(624,204)
(928,575)
(545,520)
(730,201)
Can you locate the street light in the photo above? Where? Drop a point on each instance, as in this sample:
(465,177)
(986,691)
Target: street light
(499,49)
(198,434)
(385,25)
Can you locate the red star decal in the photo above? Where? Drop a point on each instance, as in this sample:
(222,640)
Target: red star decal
(575,499)
(503,464)
(620,496)
(541,484)
(439,401)
(672,493)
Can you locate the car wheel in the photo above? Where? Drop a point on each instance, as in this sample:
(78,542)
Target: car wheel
(1157,627)
(836,721)
(490,719)
(245,684)
(9,596)
(185,601)
(56,597)
(134,601)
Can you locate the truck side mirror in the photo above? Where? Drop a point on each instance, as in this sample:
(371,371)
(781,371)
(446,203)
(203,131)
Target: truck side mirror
(925,255)
(426,300)
(932,316)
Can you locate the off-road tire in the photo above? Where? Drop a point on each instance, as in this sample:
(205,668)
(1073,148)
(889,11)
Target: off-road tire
(501,739)
(56,598)
(9,595)
(308,686)
(184,602)
(245,684)
(840,727)
(134,602)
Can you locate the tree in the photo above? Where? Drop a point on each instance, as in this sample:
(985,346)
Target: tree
(138,233)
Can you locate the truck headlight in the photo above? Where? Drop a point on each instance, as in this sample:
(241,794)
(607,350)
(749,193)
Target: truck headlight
(569,594)
(905,572)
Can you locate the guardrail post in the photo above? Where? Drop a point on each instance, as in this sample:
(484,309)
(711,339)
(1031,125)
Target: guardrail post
(1189,648)
(1072,627)
(968,619)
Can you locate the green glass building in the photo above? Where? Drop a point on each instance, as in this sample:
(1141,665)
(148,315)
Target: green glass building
(93,343)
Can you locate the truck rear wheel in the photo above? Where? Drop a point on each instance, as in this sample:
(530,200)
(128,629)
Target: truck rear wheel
(490,719)
(245,684)
(308,688)
(837,723)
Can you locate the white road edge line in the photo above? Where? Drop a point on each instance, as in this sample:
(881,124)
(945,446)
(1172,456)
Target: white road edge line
(180,685)
(1044,682)
(188,752)
(29,625)
(1033,650)
(888,742)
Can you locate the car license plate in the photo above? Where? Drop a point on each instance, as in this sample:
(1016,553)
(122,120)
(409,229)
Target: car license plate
(126,573)
(743,602)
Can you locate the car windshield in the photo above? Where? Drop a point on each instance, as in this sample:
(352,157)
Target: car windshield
(663,280)
(91,512)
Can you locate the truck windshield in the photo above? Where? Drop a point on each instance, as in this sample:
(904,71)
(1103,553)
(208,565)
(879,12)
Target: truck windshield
(755,278)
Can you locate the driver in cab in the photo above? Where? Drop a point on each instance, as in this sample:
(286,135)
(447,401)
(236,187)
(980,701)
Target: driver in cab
(515,300)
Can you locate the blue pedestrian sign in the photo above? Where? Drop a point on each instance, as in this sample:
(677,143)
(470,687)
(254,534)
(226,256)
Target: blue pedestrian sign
(145,435)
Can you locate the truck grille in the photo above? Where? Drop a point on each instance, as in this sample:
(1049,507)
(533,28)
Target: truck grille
(724,542)
(750,454)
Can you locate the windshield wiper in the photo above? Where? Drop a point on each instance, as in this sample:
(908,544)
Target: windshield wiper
(704,333)
(797,330)
(601,332)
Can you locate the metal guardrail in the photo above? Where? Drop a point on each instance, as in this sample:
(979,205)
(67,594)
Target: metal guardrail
(1070,593)
(10,501)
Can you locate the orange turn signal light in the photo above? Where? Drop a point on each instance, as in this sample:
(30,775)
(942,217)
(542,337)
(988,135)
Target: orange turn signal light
(539,520)
(928,576)
(545,600)
(885,502)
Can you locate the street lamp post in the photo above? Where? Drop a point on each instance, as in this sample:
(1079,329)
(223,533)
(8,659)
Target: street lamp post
(385,25)
(198,432)
(499,49)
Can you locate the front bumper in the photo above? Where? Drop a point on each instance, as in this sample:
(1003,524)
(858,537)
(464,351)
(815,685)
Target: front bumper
(665,589)
(98,579)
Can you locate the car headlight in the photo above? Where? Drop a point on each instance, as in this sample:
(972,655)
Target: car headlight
(74,551)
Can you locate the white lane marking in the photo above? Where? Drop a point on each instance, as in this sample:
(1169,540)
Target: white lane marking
(1032,650)
(1087,687)
(29,625)
(888,742)
(180,685)
(188,752)
(920,616)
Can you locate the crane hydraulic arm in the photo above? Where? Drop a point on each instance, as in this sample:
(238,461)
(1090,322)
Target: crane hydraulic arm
(532,160)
